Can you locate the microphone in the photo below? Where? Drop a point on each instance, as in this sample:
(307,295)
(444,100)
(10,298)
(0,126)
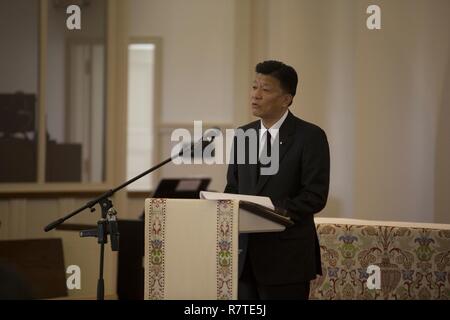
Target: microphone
(199,146)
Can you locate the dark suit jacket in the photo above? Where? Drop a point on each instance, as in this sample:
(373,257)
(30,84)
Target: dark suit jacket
(301,187)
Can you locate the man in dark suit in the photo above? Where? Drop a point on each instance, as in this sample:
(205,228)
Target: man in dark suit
(281,265)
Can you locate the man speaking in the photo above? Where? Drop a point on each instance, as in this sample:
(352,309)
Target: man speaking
(281,265)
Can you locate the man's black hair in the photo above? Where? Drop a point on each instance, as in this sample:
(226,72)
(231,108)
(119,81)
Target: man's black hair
(284,73)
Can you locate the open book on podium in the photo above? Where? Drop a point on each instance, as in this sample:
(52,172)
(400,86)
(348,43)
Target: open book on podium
(257,214)
(191,246)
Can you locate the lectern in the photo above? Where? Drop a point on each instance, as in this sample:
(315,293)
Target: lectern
(191,246)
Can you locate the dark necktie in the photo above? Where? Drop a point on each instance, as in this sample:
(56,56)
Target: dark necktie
(267,151)
(268,145)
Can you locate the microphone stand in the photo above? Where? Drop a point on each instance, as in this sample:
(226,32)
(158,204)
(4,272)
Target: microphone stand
(108,221)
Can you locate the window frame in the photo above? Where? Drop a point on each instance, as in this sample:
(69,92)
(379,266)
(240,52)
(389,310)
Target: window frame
(111,108)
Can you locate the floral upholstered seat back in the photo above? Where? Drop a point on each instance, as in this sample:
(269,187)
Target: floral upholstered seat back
(414,263)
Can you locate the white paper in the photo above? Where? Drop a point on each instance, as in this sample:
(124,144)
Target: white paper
(264,201)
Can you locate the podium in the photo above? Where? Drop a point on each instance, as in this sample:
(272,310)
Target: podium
(191,246)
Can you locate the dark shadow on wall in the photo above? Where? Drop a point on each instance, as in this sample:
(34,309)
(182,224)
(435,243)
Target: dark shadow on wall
(442,159)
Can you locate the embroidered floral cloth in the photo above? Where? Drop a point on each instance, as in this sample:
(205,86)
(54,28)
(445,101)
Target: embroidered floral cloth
(191,249)
(414,261)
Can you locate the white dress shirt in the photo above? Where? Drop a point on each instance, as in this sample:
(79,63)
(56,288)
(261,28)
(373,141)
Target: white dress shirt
(273,131)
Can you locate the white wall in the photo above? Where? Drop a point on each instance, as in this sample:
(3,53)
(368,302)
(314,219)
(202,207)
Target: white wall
(379,95)
(197,51)
(198,48)
(401,82)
